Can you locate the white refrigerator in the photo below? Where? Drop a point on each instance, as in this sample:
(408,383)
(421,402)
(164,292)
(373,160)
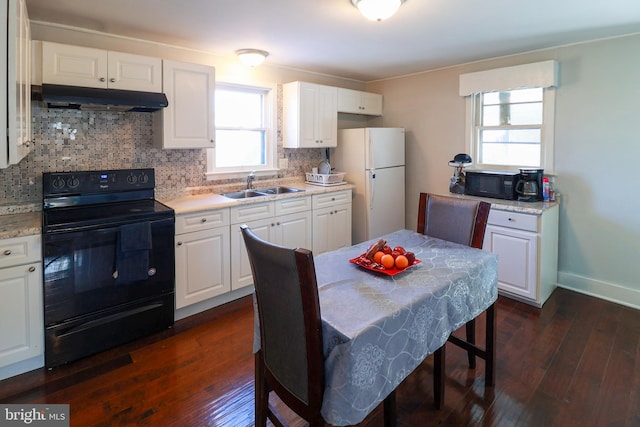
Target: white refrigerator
(373,159)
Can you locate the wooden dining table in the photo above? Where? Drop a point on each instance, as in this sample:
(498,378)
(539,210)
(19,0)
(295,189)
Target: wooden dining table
(378,328)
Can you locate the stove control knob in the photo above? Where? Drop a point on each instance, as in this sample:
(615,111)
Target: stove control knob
(132,179)
(73,182)
(143,178)
(58,183)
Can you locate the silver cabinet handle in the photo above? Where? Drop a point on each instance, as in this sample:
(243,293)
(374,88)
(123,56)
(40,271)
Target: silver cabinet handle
(7,252)
(102,79)
(32,269)
(112,80)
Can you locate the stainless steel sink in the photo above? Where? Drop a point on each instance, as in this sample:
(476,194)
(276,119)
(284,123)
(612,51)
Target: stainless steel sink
(278,190)
(246,194)
(243,194)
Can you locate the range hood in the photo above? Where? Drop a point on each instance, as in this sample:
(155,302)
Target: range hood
(89,98)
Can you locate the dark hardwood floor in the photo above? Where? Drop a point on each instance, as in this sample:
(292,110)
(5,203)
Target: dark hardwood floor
(575,362)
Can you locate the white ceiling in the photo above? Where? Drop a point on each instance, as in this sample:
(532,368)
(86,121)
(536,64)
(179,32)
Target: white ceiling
(332,37)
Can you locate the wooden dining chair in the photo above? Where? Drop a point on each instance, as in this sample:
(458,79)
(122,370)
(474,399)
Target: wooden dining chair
(462,221)
(290,361)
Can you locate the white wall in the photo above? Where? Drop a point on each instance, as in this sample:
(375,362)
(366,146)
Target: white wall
(596,149)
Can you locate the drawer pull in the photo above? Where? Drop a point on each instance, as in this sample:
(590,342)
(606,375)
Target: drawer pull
(7,252)
(512,220)
(203,220)
(32,269)
(179,243)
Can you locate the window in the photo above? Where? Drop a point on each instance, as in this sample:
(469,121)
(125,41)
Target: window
(511,128)
(244,136)
(508,127)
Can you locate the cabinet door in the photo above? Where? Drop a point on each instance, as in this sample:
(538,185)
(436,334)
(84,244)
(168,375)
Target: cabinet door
(202,265)
(517,259)
(331,228)
(326,117)
(293,231)
(240,268)
(188,121)
(357,102)
(74,65)
(341,227)
(18,76)
(310,115)
(371,103)
(134,72)
(21,323)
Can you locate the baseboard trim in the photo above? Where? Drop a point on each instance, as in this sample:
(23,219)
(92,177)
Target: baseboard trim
(600,289)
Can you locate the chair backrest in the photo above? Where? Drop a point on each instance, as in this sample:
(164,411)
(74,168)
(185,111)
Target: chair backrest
(290,324)
(454,219)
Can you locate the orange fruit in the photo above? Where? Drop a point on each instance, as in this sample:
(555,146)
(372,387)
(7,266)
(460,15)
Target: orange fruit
(402,262)
(387,261)
(378,255)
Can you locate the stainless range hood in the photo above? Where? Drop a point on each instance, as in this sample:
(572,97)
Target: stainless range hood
(88,98)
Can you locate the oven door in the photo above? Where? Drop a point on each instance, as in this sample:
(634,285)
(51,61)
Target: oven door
(80,273)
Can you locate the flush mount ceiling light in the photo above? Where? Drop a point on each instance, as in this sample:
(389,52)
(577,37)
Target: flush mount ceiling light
(252,57)
(377,10)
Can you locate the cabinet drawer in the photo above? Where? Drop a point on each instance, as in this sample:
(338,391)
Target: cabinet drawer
(251,212)
(330,199)
(20,250)
(293,205)
(517,220)
(201,220)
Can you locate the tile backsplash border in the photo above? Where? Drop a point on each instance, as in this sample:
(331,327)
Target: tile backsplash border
(68,140)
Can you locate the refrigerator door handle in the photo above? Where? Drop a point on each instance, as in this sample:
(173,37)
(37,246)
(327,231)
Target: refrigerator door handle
(373,188)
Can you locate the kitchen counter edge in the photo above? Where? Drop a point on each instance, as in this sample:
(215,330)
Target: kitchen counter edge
(531,208)
(211,201)
(20,224)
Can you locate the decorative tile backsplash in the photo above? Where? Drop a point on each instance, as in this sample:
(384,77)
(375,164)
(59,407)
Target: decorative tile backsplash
(68,140)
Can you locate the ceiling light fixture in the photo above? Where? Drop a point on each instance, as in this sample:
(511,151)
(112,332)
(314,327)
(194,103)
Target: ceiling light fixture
(377,10)
(252,57)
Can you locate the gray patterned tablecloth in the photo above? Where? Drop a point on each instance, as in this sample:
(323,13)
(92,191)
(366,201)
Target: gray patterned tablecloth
(378,329)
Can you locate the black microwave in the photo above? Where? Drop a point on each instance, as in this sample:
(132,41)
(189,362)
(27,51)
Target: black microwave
(493,184)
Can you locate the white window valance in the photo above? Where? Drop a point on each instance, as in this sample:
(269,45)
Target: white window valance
(538,74)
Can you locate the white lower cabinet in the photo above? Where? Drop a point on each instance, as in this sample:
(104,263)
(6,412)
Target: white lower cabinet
(202,256)
(211,258)
(21,322)
(331,221)
(527,248)
(285,222)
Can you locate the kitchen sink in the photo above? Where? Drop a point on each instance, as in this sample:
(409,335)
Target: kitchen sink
(279,190)
(246,194)
(243,194)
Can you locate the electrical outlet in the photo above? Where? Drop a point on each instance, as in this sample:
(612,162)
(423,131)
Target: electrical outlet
(283,163)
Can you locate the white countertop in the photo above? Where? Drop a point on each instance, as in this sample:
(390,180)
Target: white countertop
(208,201)
(533,208)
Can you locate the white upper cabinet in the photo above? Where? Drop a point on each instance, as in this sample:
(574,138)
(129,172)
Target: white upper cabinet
(15,90)
(310,115)
(358,102)
(189,120)
(82,66)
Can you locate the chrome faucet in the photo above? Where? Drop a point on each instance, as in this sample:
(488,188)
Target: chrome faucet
(250,178)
